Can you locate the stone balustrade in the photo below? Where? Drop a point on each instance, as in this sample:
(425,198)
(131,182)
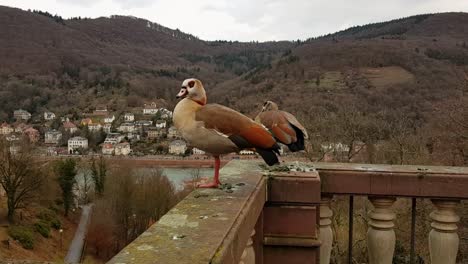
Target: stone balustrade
(286,217)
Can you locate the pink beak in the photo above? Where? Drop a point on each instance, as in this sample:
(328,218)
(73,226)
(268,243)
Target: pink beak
(183,92)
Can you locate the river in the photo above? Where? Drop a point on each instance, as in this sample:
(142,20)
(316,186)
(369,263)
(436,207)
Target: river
(176,175)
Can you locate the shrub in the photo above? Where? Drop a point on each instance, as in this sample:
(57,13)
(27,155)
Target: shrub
(50,217)
(47,215)
(54,208)
(43,228)
(55,224)
(22,234)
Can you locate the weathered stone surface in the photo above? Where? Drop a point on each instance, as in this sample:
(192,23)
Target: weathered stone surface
(207,224)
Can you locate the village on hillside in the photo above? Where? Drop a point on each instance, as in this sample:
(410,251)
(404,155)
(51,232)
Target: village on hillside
(147,130)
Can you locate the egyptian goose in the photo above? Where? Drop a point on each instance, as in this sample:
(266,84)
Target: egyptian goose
(283,125)
(217,129)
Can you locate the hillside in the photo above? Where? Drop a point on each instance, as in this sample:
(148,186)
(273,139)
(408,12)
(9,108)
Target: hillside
(412,68)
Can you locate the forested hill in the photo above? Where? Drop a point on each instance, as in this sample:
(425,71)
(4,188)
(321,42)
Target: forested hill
(409,72)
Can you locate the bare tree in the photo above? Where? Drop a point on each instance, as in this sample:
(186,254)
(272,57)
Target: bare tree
(20,176)
(84,185)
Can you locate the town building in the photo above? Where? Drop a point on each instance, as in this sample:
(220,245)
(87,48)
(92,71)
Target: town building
(165,114)
(107,149)
(143,123)
(107,128)
(101,110)
(6,129)
(76,143)
(247,152)
(161,123)
(155,133)
(114,138)
(21,127)
(197,151)
(70,127)
(126,127)
(86,121)
(172,132)
(95,127)
(109,119)
(122,149)
(49,116)
(21,114)
(150,109)
(32,134)
(177,147)
(12,137)
(52,137)
(129,117)
(334,147)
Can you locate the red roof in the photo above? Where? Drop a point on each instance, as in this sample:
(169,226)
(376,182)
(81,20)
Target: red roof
(69,124)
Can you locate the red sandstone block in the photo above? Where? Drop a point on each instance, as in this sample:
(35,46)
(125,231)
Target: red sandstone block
(294,188)
(290,221)
(290,255)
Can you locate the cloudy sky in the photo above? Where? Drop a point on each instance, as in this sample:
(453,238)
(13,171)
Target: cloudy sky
(247,20)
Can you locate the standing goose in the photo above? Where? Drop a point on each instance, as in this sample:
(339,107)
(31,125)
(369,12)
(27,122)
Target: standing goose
(283,125)
(217,129)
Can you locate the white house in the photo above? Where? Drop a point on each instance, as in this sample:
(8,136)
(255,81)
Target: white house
(247,152)
(334,147)
(107,128)
(122,149)
(114,138)
(100,110)
(126,127)
(144,123)
(165,114)
(12,138)
(21,114)
(150,109)
(197,151)
(76,143)
(94,127)
(52,137)
(49,115)
(161,123)
(129,117)
(177,147)
(109,119)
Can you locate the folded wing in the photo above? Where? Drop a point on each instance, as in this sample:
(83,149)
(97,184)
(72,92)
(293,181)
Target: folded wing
(241,130)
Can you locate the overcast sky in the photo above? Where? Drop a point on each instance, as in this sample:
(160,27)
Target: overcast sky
(247,20)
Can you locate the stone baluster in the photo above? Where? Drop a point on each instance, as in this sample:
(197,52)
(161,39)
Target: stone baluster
(443,238)
(248,256)
(380,234)
(325,234)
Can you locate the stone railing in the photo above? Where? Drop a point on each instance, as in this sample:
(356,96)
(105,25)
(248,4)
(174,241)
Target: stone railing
(285,217)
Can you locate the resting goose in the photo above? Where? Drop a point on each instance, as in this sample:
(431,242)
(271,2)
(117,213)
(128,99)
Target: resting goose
(217,129)
(283,125)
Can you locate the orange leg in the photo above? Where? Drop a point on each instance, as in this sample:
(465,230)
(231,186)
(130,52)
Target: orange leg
(216,181)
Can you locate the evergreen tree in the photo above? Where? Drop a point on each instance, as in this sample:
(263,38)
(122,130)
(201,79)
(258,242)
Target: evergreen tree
(66,172)
(98,173)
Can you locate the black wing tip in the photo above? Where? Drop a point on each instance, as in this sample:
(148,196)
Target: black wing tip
(269,155)
(296,146)
(300,142)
